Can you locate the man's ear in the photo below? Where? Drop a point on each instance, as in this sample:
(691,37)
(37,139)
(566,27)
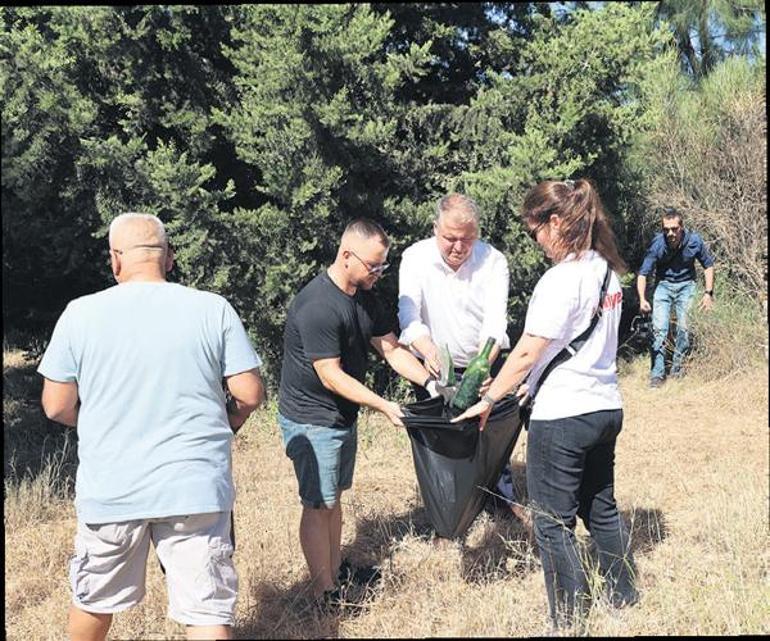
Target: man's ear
(115,265)
(169,259)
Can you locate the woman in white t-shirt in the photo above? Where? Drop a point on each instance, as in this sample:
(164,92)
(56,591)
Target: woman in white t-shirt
(577,414)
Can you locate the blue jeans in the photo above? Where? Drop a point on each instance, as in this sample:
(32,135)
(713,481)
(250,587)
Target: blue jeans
(571,472)
(323,457)
(668,295)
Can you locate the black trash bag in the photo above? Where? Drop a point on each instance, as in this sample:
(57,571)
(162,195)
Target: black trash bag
(455,463)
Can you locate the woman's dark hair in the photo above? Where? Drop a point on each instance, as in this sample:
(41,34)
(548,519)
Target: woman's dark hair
(584,224)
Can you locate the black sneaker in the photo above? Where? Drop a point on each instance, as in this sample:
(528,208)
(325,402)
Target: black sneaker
(330,602)
(368,576)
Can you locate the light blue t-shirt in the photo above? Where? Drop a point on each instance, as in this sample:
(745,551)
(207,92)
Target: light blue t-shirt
(153,434)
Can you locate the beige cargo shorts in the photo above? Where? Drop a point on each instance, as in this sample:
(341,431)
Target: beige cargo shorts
(107,572)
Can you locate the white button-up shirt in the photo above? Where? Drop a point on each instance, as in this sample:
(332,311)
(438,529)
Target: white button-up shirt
(460,309)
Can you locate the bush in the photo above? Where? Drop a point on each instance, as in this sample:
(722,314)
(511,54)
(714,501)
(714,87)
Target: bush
(705,153)
(730,338)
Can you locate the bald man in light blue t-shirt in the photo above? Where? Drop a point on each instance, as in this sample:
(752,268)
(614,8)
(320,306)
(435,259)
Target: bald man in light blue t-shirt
(139,368)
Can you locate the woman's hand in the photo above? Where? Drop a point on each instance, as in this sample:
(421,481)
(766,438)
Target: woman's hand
(480,409)
(485,386)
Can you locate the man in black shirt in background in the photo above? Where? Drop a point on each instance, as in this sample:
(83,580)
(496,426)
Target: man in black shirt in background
(330,326)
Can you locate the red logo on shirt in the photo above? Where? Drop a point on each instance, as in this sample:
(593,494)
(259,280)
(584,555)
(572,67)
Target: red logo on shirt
(612,300)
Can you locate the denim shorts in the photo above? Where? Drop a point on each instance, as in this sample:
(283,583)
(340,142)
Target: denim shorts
(323,457)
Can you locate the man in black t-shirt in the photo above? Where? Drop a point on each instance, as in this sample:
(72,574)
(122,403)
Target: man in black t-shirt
(330,326)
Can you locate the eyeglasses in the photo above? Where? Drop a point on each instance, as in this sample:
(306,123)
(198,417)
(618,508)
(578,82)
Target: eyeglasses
(376,269)
(120,252)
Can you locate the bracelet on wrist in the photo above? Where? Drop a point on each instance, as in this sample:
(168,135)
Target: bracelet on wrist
(488,400)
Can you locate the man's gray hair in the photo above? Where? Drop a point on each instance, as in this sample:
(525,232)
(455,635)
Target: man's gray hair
(122,219)
(465,207)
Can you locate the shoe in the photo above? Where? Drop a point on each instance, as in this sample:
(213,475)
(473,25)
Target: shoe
(367,576)
(554,631)
(496,506)
(620,601)
(656,382)
(330,602)
(522,514)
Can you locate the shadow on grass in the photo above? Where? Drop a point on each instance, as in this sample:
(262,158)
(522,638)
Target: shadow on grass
(505,550)
(647,528)
(284,614)
(291,613)
(32,443)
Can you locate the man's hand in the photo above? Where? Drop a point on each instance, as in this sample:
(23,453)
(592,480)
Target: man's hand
(432,361)
(706,303)
(480,409)
(430,353)
(485,386)
(644,306)
(522,393)
(393,412)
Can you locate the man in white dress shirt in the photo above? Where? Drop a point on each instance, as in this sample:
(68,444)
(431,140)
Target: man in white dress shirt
(453,291)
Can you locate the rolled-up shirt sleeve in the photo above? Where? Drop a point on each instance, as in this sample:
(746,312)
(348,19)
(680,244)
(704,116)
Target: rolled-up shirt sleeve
(650,258)
(704,255)
(495,321)
(410,301)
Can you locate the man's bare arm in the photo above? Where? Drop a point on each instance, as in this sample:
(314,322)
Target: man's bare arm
(247,392)
(61,402)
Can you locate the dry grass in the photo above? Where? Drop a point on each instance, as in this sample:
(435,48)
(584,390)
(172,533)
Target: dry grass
(692,468)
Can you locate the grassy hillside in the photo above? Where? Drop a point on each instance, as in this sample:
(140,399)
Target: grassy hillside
(692,469)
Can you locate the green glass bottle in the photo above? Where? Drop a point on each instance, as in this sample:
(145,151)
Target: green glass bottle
(475,374)
(447,367)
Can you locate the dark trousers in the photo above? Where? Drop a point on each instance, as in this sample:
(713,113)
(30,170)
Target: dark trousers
(504,490)
(570,472)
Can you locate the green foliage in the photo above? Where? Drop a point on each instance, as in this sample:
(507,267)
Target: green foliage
(97,101)
(729,338)
(570,110)
(256,132)
(704,152)
(707,32)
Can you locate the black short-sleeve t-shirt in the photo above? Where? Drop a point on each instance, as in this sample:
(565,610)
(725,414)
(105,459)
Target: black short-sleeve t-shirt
(325,322)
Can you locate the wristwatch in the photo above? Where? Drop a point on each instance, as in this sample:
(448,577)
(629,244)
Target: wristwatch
(710,292)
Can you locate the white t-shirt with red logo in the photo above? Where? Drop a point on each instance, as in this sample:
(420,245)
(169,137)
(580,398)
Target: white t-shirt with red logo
(560,309)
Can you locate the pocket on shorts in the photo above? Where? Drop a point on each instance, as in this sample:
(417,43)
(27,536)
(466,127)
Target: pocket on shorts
(112,534)
(221,581)
(106,544)
(78,574)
